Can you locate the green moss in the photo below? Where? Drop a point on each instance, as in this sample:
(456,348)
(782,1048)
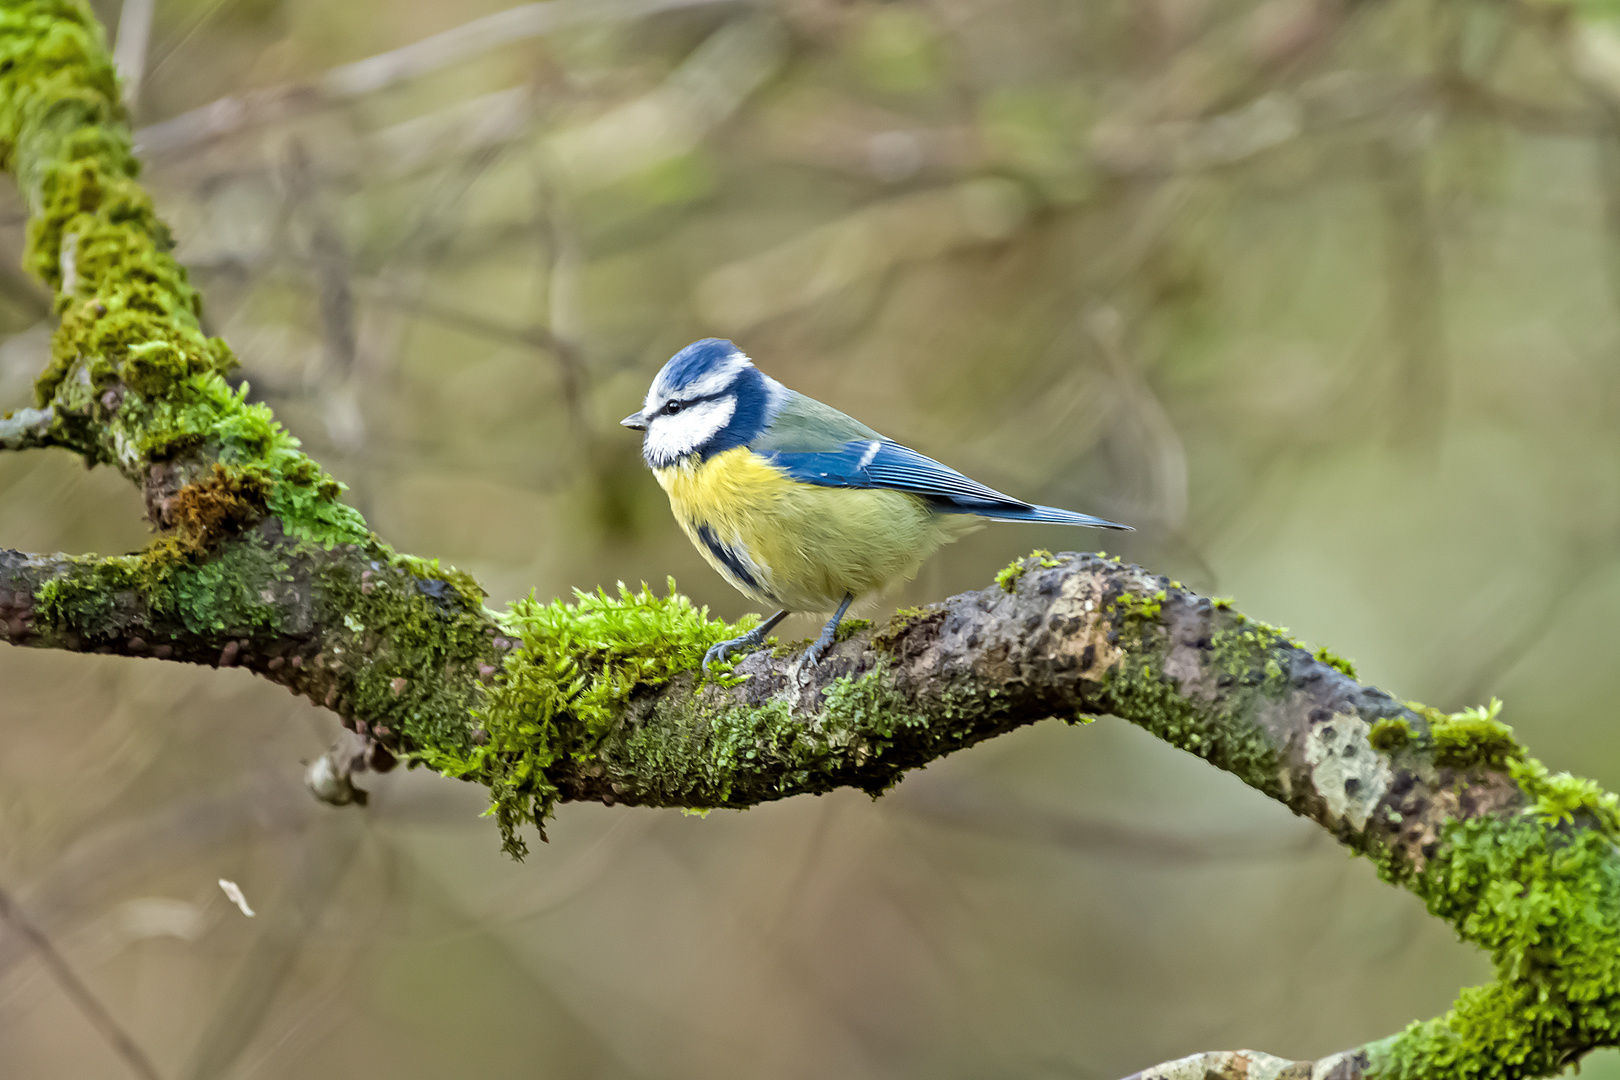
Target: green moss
(216,597)
(1245,653)
(1561,799)
(1540,901)
(128,312)
(900,623)
(465,585)
(848,628)
(1009,576)
(1390,733)
(690,753)
(1333,660)
(1472,737)
(130,319)
(563,688)
(1139,690)
(1135,607)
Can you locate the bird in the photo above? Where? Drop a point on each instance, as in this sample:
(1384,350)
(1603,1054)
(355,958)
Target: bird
(797,505)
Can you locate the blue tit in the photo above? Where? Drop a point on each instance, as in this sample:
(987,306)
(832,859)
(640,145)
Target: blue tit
(798,506)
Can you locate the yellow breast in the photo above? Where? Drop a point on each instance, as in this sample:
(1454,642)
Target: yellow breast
(794,545)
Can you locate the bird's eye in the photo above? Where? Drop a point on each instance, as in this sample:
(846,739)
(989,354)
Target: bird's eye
(671,408)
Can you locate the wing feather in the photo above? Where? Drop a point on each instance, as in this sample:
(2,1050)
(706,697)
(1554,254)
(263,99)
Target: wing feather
(802,424)
(884,463)
(816,444)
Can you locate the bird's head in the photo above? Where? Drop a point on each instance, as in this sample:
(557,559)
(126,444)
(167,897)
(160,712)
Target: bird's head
(707,399)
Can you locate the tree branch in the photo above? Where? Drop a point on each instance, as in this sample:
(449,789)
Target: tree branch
(26,429)
(260,564)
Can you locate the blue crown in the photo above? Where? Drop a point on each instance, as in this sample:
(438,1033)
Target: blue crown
(695,361)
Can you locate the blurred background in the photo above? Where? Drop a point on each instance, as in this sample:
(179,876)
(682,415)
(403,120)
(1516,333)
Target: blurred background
(1321,297)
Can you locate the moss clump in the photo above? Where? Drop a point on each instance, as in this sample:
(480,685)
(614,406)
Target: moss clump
(562,689)
(225,501)
(1540,901)
(1477,738)
(128,312)
(1559,798)
(1008,577)
(901,623)
(1135,607)
(246,439)
(1391,733)
(436,577)
(1247,653)
(848,628)
(1334,660)
(1472,737)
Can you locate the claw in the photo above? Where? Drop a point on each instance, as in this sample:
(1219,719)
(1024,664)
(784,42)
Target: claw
(746,643)
(718,653)
(819,647)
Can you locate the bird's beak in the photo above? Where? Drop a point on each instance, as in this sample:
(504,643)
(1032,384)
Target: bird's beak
(635,421)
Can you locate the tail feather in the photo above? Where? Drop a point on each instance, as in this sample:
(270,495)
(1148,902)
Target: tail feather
(1048,514)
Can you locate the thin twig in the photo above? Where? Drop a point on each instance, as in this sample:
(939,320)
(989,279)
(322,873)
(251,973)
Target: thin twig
(129,53)
(80,994)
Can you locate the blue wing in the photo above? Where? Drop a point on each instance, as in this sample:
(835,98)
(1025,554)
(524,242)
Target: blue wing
(884,463)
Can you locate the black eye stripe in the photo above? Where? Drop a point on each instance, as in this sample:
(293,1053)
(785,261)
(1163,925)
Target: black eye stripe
(673,406)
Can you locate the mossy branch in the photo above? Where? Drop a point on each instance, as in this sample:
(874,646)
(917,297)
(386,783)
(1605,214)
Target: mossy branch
(259,563)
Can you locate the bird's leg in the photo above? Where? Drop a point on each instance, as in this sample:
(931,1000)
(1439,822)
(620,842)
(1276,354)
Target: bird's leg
(819,647)
(746,643)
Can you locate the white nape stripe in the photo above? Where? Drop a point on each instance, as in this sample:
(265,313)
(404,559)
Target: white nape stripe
(775,397)
(717,380)
(672,437)
(871,452)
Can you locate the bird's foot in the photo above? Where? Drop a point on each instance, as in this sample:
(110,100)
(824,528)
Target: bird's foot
(719,653)
(829,634)
(818,648)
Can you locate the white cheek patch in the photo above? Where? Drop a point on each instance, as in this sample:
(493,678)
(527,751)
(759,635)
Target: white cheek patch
(671,437)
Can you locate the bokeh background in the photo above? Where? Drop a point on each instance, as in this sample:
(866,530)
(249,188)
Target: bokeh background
(1319,296)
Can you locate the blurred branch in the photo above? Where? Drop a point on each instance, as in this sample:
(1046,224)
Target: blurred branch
(1414,296)
(1002,814)
(1166,455)
(88,873)
(229,115)
(261,564)
(26,428)
(329,256)
(83,999)
(287,925)
(816,264)
(129,51)
(704,91)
